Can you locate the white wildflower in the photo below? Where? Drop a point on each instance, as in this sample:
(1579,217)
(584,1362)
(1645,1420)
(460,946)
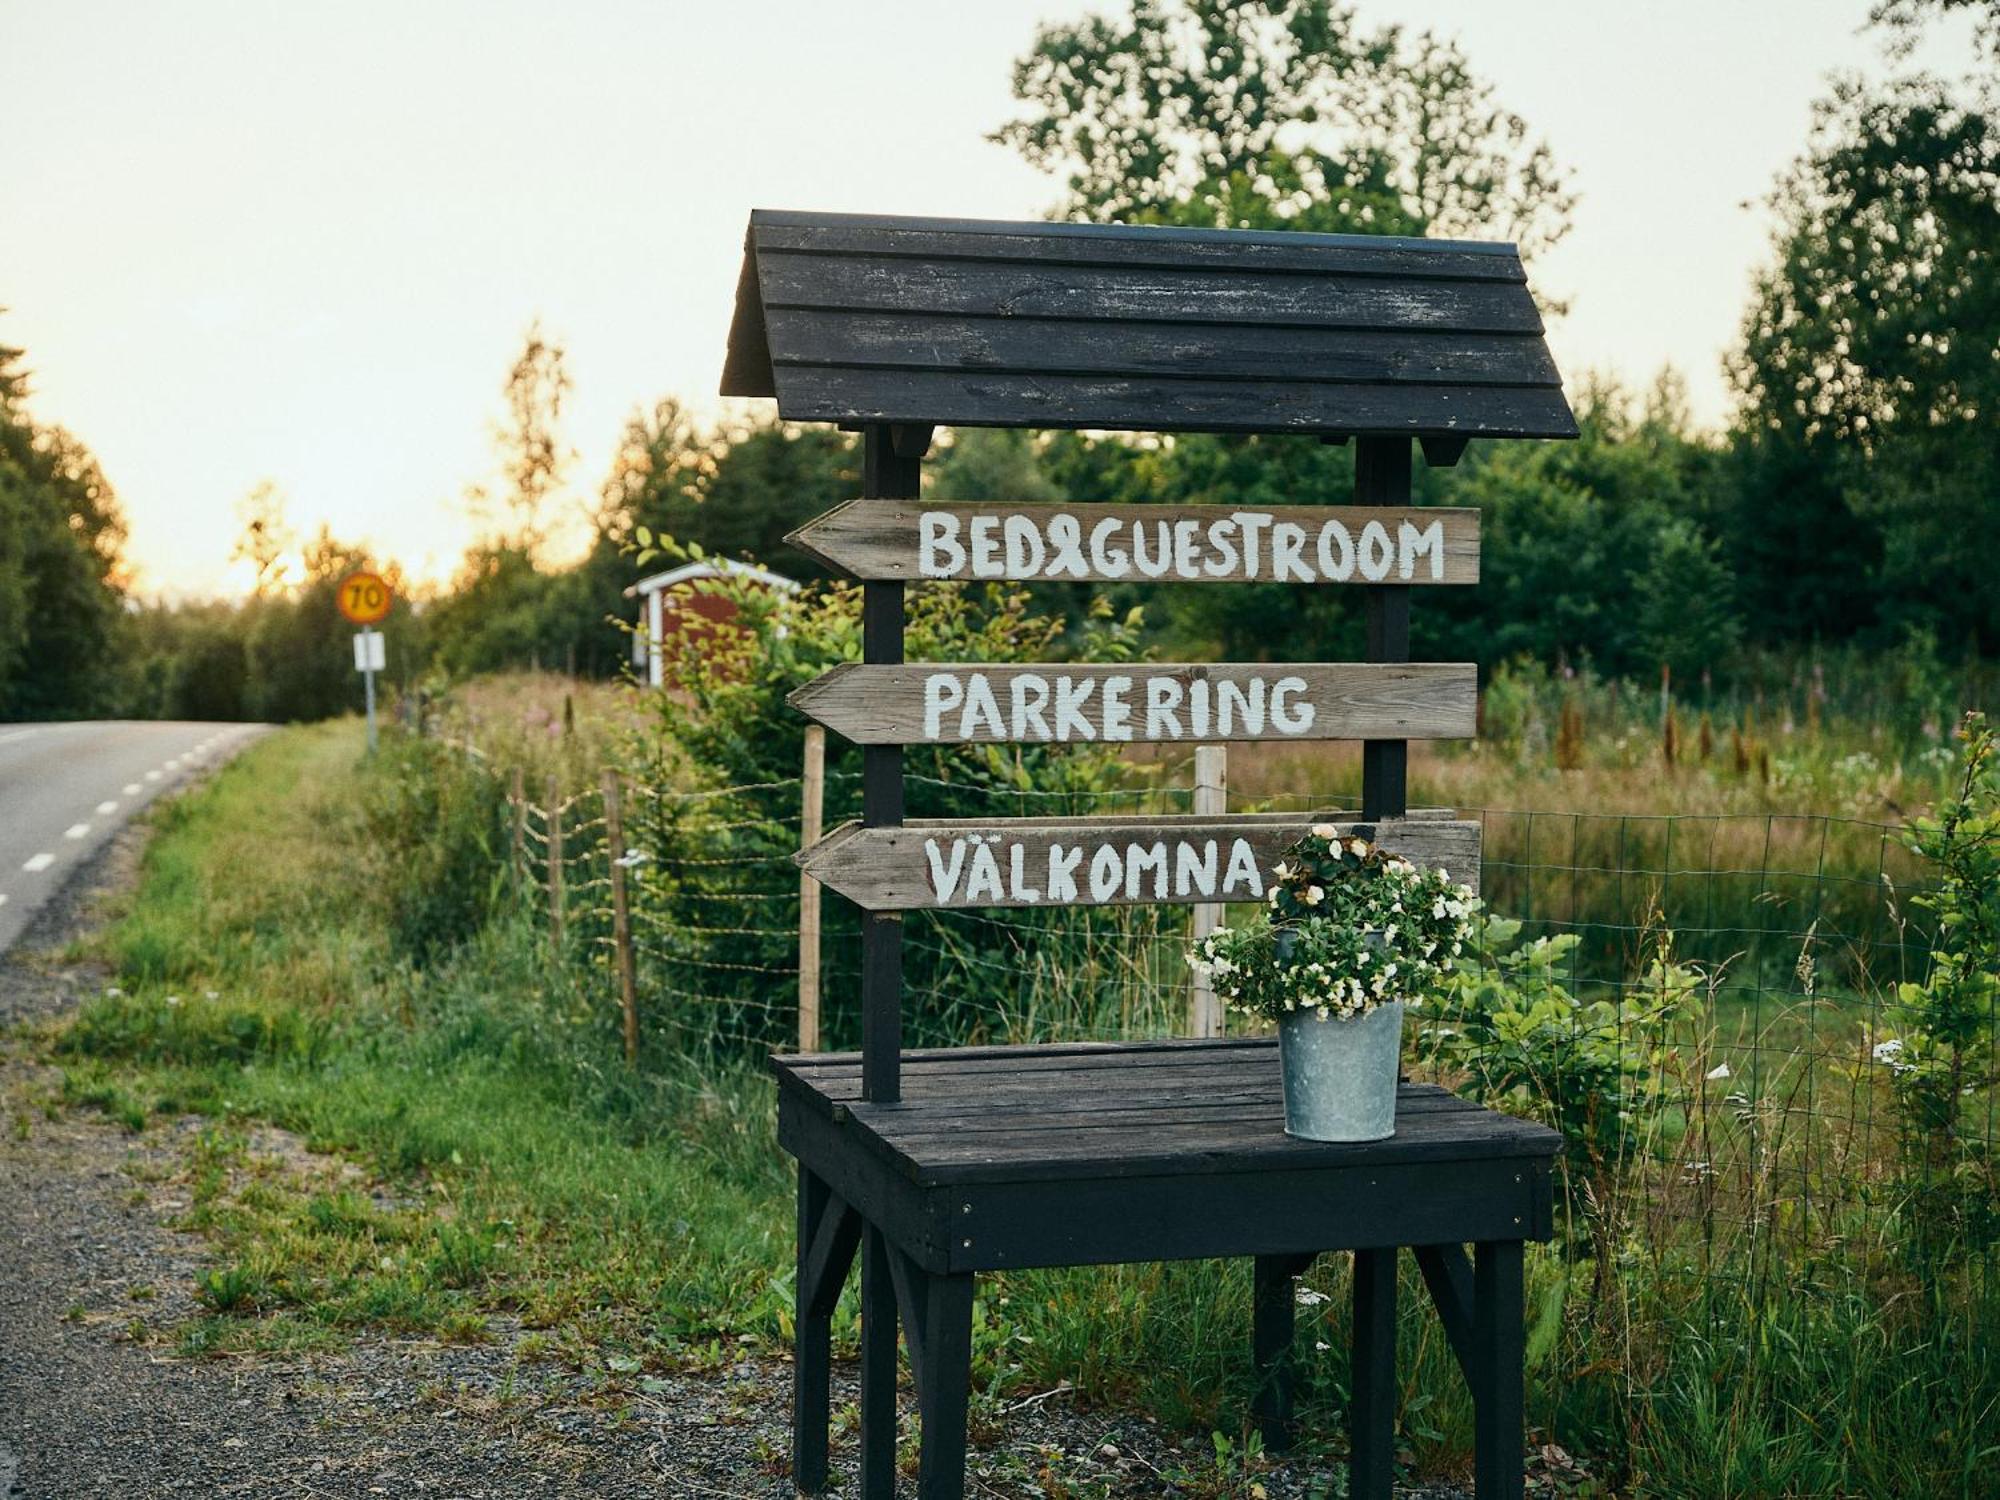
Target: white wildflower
(1888,1051)
(1718,1072)
(1314,895)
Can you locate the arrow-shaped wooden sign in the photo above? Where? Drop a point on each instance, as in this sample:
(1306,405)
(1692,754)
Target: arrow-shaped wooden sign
(911,541)
(1098,861)
(1197,702)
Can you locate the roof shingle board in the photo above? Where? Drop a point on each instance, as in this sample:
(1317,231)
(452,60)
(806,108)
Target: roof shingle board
(850,318)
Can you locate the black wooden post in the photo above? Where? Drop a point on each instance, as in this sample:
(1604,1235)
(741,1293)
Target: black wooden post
(1273,1291)
(1382,477)
(878,1368)
(1371,1473)
(886,475)
(944,1384)
(1498,1352)
(812,1374)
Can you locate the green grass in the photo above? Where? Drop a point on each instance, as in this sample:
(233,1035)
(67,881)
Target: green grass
(512,1170)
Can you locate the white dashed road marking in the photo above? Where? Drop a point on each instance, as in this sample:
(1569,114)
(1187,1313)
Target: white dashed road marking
(152,775)
(131,788)
(39,863)
(106,809)
(76,830)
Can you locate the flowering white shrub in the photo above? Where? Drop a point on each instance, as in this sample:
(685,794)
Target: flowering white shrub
(1348,927)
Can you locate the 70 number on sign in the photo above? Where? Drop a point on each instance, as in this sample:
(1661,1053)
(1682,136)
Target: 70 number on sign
(364,598)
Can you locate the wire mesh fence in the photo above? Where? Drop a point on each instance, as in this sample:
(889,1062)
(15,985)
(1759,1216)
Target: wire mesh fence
(1700,1001)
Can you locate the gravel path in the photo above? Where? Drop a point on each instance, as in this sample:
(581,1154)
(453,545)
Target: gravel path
(95,1402)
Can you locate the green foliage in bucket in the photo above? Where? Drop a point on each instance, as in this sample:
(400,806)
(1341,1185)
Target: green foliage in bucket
(1347,927)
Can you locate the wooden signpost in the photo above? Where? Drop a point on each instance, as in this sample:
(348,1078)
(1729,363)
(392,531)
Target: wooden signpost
(1167,860)
(1146,543)
(1158,702)
(1066,1155)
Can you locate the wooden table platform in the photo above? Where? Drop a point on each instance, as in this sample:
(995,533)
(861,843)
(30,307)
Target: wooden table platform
(1016,1157)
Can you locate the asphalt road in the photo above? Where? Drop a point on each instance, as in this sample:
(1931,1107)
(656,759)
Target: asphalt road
(65,788)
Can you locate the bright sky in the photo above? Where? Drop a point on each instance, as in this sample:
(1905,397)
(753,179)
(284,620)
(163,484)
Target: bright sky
(245,241)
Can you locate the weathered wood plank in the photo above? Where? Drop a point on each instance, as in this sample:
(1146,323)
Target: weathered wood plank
(935,703)
(1132,403)
(1096,861)
(1351,356)
(905,541)
(1063,244)
(985,289)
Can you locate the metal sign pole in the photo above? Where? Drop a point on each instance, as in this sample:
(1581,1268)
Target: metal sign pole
(368,681)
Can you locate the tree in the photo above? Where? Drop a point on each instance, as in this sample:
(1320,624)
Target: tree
(1278,114)
(534,457)
(61,574)
(1868,351)
(265,538)
(736,491)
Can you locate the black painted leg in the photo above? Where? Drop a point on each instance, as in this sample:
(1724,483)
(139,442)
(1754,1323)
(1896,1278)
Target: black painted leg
(1498,1346)
(1271,1346)
(878,1370)
(812,1369)
(944,1384)
(1372,1419)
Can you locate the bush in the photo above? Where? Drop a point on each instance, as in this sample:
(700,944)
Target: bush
(433,821)
(716,888)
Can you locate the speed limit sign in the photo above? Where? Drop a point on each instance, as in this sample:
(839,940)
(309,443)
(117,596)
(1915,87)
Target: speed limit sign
(365,598)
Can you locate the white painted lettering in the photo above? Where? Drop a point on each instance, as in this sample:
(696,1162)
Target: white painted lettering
(1335,566)
(1194,869)
(1288,543)
(1030,697)
(944,877)
(1163,701)
(1242,873)
(1117,712)
(986,561)
(1284,718)
(1140,858)
(1062,872)
(1107,873)
(942,693)
(938,552)
(1378,552)
(1416,543)
(1111,562)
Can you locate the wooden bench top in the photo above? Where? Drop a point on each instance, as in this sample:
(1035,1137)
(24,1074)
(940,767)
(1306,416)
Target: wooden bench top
(1046,1113)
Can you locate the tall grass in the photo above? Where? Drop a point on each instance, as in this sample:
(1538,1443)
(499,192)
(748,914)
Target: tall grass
(1729,1312)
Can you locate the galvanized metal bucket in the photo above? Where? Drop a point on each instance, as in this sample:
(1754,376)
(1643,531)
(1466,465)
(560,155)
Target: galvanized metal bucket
(1340,1075)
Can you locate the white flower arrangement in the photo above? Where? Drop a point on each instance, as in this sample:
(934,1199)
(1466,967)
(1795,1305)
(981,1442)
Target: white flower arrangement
(1348,927)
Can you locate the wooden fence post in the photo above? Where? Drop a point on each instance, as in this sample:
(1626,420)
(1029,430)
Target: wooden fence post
(621,915)
(555,868)
(517,797)
(1211,799)
(811,811)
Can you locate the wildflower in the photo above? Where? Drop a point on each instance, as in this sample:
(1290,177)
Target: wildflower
(1888,1051)
(1307,1297)
(1314,895)
(173,999)
(1719,1071)
(113,991)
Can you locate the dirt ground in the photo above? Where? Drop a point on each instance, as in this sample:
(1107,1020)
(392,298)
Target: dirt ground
(95,1401)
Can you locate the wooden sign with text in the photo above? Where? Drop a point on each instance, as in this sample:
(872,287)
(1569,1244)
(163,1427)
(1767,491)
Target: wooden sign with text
(1197,703)
(909,541)
(1103,861)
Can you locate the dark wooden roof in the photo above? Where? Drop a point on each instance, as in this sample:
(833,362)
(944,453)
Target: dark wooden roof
(956,322)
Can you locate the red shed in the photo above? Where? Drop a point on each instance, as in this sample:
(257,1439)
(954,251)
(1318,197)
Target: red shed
(675,609)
